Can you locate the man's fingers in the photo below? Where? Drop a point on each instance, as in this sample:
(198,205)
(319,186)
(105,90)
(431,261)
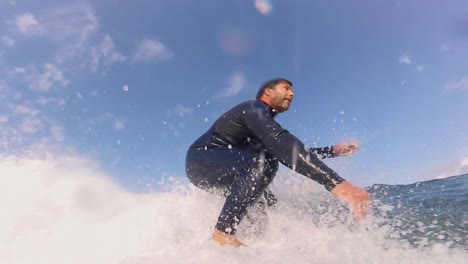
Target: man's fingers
(359,214)
(361,204)
(360,210)
(348,150)
(352,147)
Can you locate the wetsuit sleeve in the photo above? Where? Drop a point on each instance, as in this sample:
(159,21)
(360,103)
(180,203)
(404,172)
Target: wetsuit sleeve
(288,149)
(324,153)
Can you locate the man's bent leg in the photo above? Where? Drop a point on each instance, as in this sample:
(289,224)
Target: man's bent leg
(214,169)
(217,169)
(245,190)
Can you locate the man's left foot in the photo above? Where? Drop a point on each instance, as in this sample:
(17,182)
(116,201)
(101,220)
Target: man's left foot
(225,239)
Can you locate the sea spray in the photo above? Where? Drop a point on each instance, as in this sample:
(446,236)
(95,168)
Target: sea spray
(64,209)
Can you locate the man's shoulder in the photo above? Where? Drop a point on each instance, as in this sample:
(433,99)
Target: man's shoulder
(251,105)
(251,110)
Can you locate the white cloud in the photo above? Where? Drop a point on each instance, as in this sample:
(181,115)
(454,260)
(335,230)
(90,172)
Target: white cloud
(46,101)
(455,168)
(73,31)
(56,133)
(176,129)
(236,84)
(42,81)
(8,41)
(464,162)
(176,125)
(21,109)
(76,29)
(119,125)
(420,68)
(27,23)
(105,54)
(179,111)
(404,60)
(101,118)
(151,50)
(49,77)
(24,122)
(73,25)
(107,120)
(18,70)
(460,85)
(443,170)
(3,86)
(4,90)
(24,110)
(31,125)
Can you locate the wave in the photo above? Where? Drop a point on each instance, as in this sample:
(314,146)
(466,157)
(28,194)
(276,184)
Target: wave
(65,209)
(425,213)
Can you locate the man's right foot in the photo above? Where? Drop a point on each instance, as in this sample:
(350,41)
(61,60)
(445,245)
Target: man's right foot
(225,239)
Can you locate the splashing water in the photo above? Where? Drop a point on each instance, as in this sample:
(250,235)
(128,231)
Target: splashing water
(66,210)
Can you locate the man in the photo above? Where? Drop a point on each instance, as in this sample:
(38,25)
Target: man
(239,156)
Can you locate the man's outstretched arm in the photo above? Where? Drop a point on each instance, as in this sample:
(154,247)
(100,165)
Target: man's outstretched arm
(357,198)
(287,148)
(290,151)
(345,148)
(323,153)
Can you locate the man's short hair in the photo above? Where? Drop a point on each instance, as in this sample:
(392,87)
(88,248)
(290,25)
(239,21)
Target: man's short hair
(270,84)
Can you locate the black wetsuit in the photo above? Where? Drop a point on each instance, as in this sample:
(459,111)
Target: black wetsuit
(239,155)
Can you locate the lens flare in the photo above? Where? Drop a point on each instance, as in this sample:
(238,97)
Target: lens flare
(236,43)
(263,6)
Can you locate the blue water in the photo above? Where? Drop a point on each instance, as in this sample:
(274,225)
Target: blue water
(424,213)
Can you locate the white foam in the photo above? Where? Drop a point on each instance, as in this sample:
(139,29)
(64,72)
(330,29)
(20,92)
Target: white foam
(66,210)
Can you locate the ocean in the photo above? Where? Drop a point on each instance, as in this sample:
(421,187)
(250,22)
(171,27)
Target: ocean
(68,210)
(425,213)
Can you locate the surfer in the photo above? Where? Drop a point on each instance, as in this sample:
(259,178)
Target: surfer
(239,157)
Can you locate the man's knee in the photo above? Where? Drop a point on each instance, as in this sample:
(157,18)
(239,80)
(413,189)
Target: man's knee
(269,167)
(263,170)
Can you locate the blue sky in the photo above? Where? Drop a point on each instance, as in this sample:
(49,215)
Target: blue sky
(132,84)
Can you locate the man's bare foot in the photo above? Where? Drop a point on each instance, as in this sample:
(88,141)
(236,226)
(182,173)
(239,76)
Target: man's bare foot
(225,239)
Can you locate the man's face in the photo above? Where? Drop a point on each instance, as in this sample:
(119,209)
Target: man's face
(281,97)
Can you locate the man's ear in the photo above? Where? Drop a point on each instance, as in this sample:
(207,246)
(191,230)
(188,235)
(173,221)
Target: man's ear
(267,91)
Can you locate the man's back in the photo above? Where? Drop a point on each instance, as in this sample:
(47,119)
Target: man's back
(234,128)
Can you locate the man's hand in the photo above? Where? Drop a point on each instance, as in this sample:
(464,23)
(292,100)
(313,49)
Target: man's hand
(357,198)
(345,148)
